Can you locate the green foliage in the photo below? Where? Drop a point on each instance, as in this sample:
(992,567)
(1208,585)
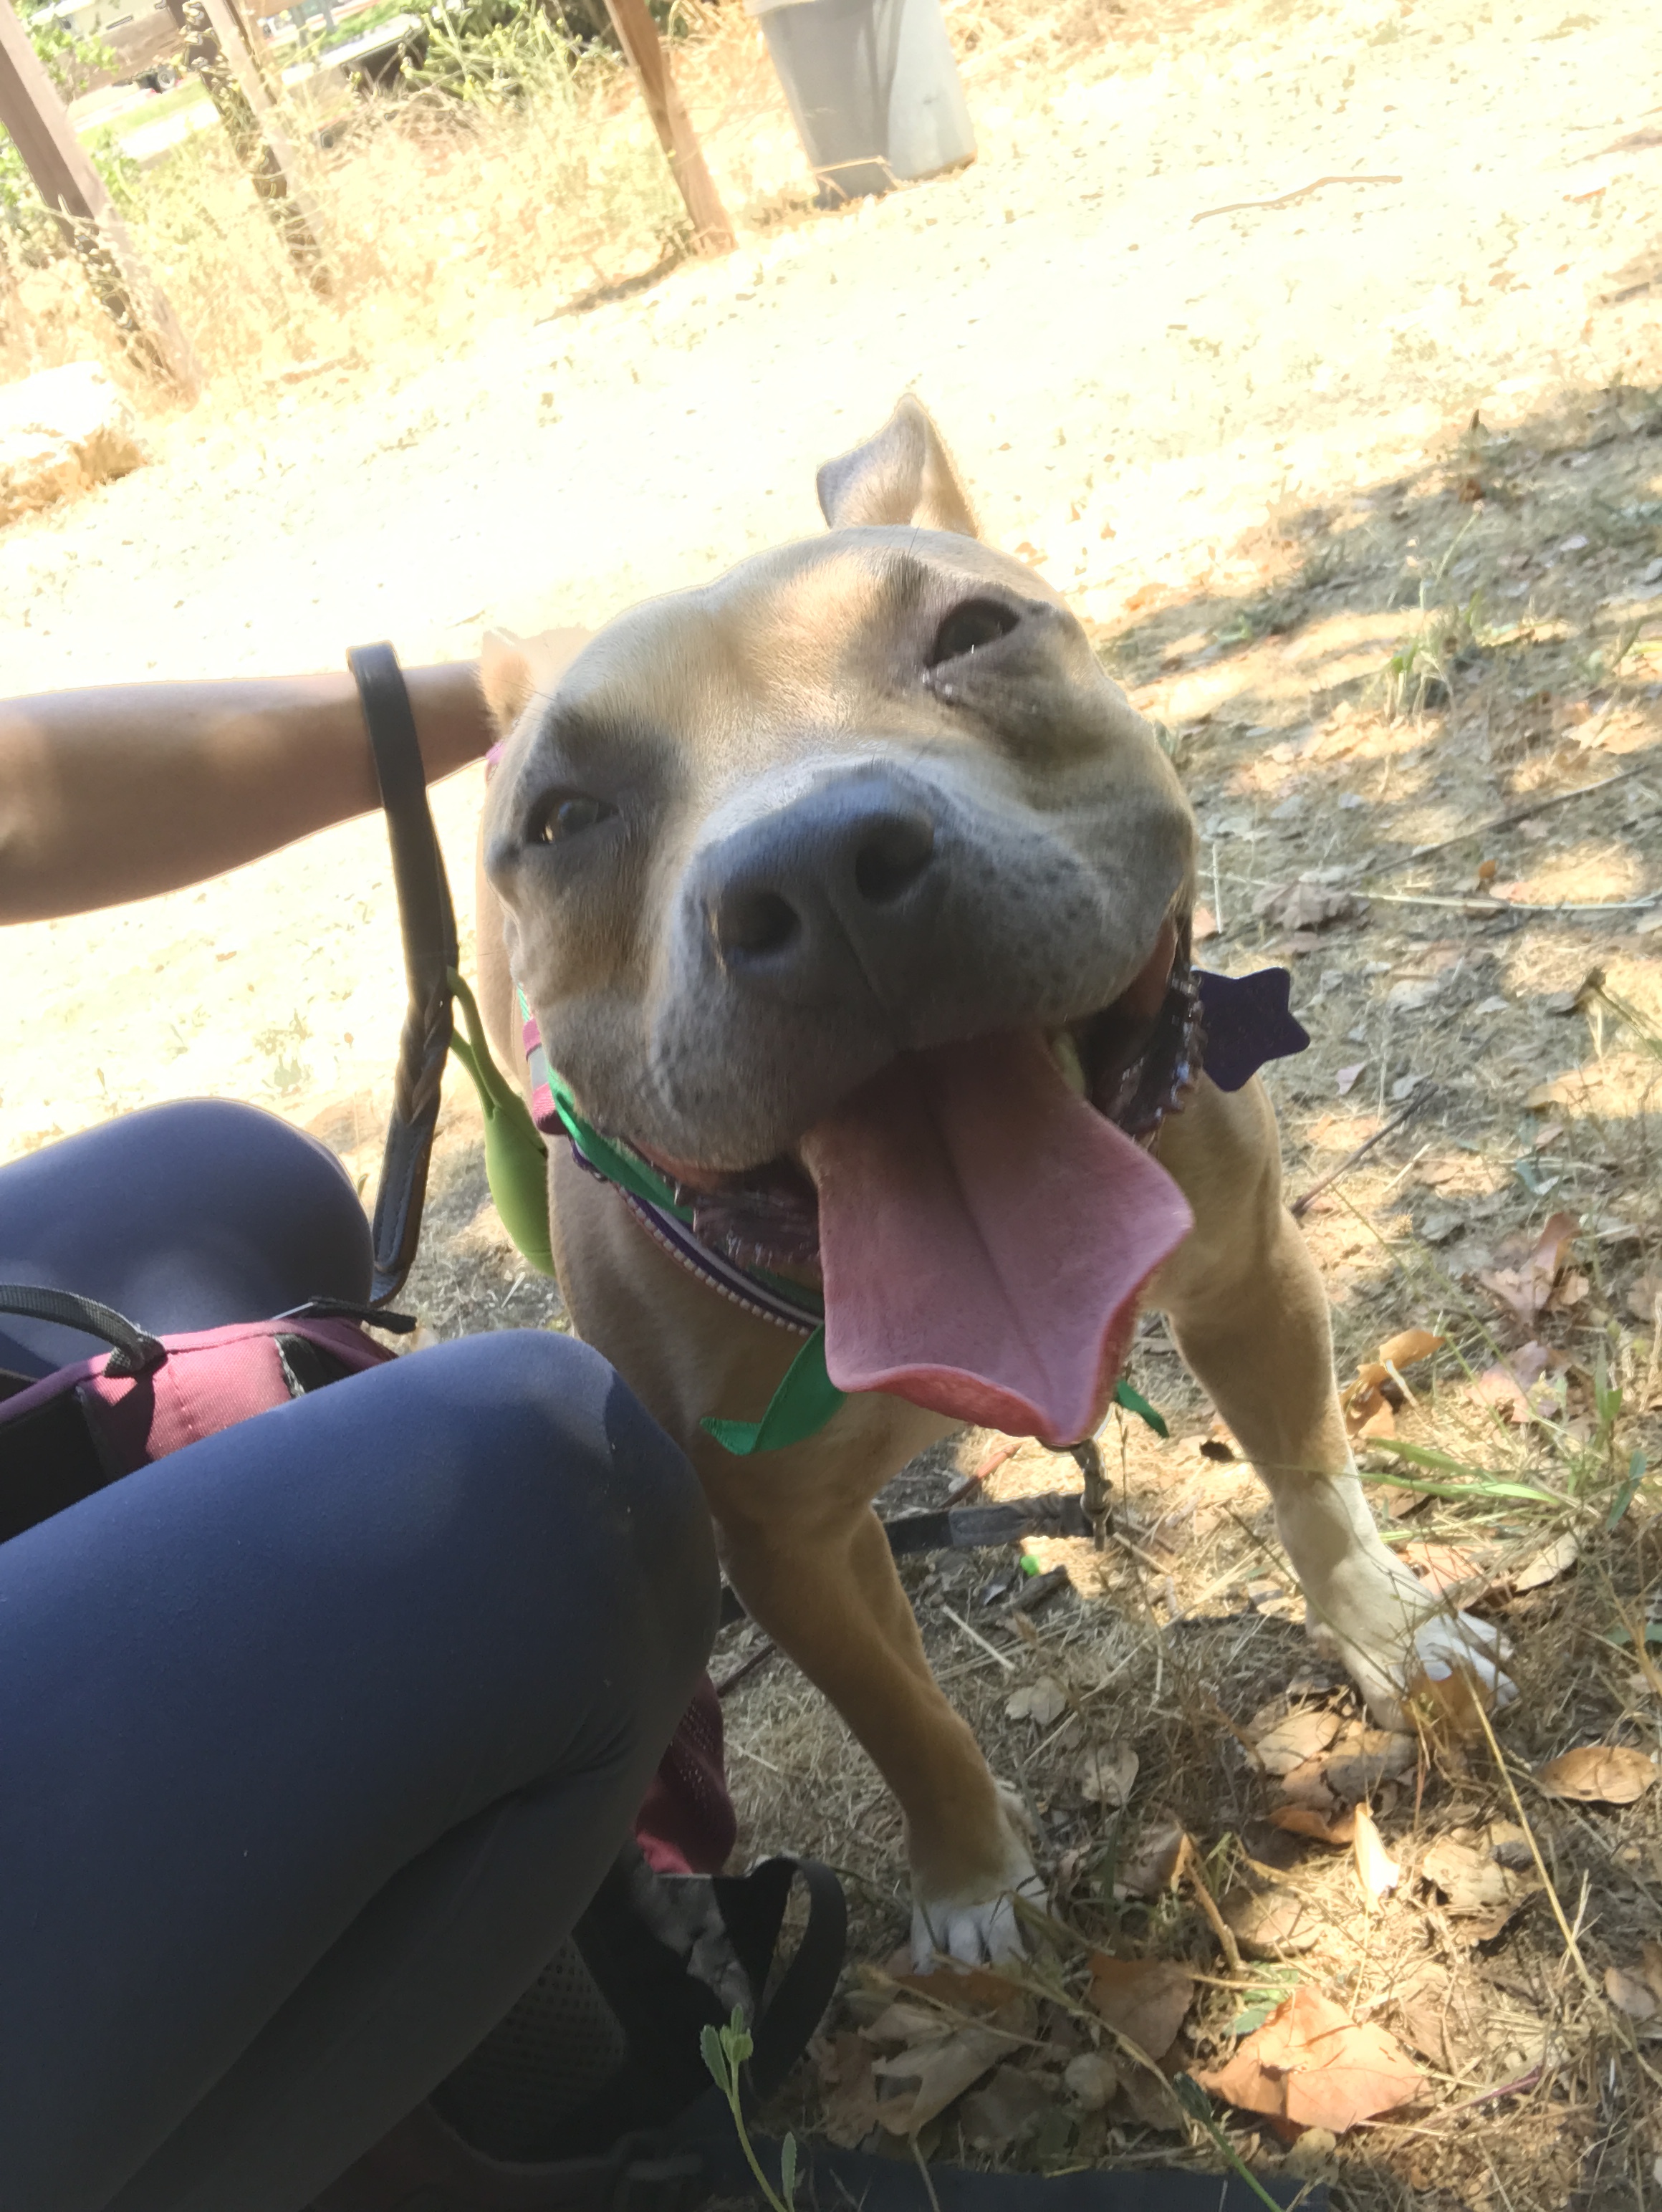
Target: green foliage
(725,2050)
(498,49)
(72,63)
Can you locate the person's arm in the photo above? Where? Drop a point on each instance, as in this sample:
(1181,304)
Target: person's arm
(114,794)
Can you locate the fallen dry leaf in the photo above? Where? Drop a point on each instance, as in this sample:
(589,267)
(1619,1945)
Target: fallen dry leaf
(1150,1865)
(847,2103)
(1598,1774)
(1631,1994)
(1450,1707)
(1144,2000)
(1304,905)
(1043,1701)
(1468,1878)
(1294,1739)
(939,2071)
(993,2116)
(1644,1294)
(1376,1870)
(1307,1785)
(1410,1346)
(1309,2065)
(1344,1079)
(1423,2008)
(1526,1290)
(1359,1761)
(1520,1388)
(1310,1820)
(1559,1556)
(903,2023)
(1106,1773)
(1273,1922)
(1445,1567)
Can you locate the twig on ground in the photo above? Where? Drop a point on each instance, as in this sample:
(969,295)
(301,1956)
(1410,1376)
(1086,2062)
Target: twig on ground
(1482,909)
(1513,815)
(1287,199)
(759,1657)
(1188,1863)
(976,1637)
(1300,1205)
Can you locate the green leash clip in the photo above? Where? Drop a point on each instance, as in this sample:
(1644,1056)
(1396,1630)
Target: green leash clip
(516,1157)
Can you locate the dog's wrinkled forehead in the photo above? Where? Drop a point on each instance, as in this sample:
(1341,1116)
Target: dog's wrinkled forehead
(826,639)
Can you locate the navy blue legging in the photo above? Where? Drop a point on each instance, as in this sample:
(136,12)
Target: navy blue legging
(318,1734)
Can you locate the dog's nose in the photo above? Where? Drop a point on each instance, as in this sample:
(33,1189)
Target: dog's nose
(837,885)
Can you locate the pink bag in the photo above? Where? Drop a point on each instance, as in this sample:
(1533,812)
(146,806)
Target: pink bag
(87,1424)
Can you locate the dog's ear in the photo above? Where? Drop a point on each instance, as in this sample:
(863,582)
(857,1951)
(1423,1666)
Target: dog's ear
(513,669)
(505,676)
(902,475)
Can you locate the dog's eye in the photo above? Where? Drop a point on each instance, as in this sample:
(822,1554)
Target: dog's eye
(569,815)
(976,623)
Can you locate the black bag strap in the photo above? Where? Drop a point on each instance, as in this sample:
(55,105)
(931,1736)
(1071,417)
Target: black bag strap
(427,920)
(753,1906)
(135,1350)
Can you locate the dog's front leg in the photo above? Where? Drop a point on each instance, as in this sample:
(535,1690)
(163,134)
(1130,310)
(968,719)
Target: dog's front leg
(824,1586)
(1251,1317)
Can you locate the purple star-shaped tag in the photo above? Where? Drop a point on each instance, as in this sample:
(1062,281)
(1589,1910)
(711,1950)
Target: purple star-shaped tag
(1248,1021)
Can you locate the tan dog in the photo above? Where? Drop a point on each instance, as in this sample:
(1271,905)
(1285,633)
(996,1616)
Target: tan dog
(827,883)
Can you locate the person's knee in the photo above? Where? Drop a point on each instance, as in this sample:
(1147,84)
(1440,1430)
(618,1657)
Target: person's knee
(578,1487)
(287,1191)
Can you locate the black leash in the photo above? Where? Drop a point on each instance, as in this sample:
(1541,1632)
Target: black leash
(427,920)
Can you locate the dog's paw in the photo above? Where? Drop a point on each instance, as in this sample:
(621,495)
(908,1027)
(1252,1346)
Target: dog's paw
(974,1921)
(974,1930)
(1427,1650)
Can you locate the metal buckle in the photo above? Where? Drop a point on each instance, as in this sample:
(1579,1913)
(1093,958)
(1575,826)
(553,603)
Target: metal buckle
(1098,1499)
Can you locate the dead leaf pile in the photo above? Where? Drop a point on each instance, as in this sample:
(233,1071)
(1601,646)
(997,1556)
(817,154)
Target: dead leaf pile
(1310,2066)
(938,2034)
(1323,1765)
(1371,1401)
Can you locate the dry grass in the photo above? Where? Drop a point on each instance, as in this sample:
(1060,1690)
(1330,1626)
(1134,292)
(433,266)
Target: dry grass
(439,214)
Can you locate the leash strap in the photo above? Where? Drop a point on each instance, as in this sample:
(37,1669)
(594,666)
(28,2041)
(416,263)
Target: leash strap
(428,921)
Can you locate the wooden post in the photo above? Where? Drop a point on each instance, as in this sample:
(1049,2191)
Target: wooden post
(712,232)
(39,122)
(217,55)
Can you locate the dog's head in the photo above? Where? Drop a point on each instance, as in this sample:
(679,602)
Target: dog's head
(864,794)
(862,797)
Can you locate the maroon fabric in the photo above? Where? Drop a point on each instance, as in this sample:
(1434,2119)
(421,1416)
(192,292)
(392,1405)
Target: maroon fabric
(211,1379)
(686,1823)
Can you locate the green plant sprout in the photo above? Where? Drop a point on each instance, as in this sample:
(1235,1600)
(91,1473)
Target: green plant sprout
(726,2050)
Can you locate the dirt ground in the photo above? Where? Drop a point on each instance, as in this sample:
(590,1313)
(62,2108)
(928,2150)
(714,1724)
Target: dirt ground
(1361,494)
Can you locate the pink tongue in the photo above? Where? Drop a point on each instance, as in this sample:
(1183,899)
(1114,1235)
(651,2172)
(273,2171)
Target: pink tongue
(984,1234)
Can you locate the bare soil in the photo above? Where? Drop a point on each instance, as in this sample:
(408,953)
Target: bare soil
(1361,496)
